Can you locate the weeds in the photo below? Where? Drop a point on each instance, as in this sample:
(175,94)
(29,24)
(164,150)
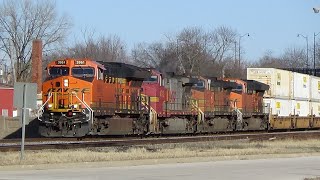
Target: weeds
(239,149)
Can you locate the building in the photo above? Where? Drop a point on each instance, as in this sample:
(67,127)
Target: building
(6,101)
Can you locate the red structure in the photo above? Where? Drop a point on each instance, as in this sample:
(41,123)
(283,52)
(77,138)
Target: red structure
(6,100)
(37,63)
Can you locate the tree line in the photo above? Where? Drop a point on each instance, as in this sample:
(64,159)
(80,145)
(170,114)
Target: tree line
(192,51)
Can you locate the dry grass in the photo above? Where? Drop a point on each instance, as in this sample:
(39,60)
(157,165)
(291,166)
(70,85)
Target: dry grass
(238,149)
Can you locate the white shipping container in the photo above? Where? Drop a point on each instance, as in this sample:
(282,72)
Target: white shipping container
(315,107)
(301,108)
(280,107)
(301,86)
(315,88)
(279,81)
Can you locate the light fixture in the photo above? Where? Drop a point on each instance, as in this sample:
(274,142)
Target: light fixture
(66,82)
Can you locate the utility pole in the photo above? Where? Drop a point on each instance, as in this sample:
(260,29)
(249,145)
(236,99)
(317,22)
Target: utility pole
(246,34)
(306,38)
(314,53)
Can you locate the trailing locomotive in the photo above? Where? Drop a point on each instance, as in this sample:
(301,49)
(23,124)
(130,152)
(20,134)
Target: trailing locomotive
(204,105)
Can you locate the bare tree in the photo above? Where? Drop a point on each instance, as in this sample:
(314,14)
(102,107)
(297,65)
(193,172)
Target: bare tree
(220,43)
(295,57)
(268,60)
(220,51)
(23,21)
(110,48)
(145,55)
(155,55)
(192,51)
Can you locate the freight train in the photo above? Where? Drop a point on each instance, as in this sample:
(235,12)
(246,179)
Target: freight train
(83,97)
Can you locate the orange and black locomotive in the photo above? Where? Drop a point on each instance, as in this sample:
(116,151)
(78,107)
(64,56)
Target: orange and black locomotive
(83,97)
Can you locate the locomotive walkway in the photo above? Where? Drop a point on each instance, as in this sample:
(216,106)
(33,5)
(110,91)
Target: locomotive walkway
(73,143)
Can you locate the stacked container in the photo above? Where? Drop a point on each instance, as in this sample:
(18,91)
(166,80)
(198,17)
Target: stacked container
(278,98)
(290,93)
(315,95)
(280,107)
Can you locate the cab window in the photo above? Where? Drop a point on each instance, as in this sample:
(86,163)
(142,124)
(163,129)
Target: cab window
(82,72)
(151,79)
(100,74)
(58,71)
(238,88)
(199,84)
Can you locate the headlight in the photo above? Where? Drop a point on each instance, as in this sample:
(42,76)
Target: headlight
(66,83)
(75,106)
(50,105)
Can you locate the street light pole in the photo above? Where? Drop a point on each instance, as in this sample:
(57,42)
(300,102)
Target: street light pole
(235,51)
(315,10)
(246,34)
(306,37)
(314,52)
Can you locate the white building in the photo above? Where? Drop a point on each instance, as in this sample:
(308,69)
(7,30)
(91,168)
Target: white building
(3,74)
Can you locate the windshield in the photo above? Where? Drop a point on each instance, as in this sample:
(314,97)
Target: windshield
(58,71)
(83,72)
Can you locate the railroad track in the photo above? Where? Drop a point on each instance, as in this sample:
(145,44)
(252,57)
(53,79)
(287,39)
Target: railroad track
(70,143)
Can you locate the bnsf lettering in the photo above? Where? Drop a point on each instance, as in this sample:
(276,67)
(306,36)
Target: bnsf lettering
(80,62)
(61,62)
(67,90)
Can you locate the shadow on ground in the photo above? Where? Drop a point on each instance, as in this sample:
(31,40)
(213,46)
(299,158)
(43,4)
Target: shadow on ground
(11,129)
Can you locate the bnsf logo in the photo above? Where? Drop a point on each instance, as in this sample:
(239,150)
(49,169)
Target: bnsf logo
(68,90)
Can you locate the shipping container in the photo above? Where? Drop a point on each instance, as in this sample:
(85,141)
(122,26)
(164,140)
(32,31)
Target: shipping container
(300,108)
(315,108)
(278,80)
(280,107)
(301,86)
(315,88)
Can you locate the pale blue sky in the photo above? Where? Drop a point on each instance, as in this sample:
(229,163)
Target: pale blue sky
(272,24)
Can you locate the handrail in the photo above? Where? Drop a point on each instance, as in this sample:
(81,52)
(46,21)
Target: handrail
(41,108)
(86,105)
(201,117)
(239,117)
(152,114)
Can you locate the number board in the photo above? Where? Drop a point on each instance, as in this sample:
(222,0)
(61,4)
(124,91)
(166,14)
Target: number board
(61,62)
(80,62)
